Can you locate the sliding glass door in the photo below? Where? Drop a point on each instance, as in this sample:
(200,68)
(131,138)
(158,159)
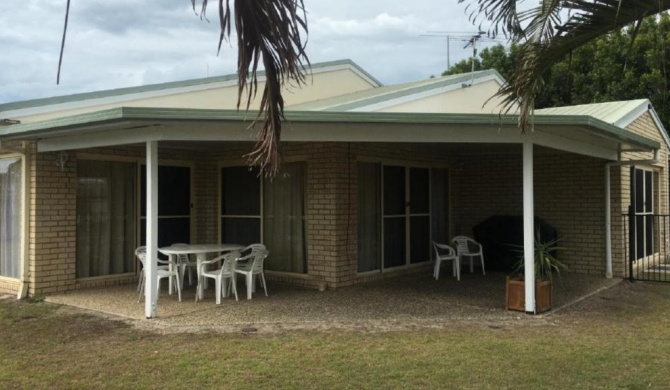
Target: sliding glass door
(106,217)
(255,209)
(394,216)
(369,216)
(11,215)
(413,209)
(174,205)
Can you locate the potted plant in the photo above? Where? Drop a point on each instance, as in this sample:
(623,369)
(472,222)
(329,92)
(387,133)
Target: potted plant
(546,264)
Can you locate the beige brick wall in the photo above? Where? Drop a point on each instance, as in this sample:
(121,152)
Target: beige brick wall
(569,193)
(52,225)
(644,126)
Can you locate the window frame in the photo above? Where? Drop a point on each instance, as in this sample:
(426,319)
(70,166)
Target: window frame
(236,163)
(24,228)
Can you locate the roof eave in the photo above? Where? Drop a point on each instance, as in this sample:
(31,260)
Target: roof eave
(76,122)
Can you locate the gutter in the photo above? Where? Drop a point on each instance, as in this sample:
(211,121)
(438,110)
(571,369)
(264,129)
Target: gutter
(608,206)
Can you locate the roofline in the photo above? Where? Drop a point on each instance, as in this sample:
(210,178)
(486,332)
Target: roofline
(644,106)
(439,86)
(43,128)
(80,97)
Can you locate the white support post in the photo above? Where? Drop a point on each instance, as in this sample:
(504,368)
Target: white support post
(151,284)
(528,226)
(608,224)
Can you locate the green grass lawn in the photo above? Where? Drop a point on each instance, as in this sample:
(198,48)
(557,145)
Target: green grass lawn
(618,339)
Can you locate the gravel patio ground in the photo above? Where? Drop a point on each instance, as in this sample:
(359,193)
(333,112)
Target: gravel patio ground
(400,302)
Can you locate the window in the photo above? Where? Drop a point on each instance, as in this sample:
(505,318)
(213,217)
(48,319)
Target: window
(642,204)
(106,217)
(174,205)
(267,211)
(369,216)
(11,214)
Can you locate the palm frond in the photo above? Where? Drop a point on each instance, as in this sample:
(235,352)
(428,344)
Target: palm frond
(269,31)
(554,39)
(502,14)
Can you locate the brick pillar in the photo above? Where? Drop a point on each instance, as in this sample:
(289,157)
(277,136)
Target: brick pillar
(52,237)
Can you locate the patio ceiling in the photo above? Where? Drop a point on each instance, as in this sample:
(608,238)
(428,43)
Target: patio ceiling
(122,126)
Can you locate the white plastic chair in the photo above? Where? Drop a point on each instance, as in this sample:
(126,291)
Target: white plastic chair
(251,265)
(140,281)
(444,252)
(466,246)
(220,275)
(165,269)
(185,263)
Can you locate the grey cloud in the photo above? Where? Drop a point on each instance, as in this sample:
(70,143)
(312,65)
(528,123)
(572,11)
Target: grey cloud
(121,43)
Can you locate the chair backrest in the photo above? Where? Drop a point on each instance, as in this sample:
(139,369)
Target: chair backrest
(462,243)
(141,249)
(229,259)
(449,251)
(253,248)
(259,259)
(183,257)
(141,254)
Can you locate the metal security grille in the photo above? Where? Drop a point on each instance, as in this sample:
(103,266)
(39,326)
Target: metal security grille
(652,261)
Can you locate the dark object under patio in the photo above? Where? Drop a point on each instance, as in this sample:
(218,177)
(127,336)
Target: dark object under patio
(501,235)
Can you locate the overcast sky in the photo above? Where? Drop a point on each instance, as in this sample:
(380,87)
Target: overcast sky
(123,43)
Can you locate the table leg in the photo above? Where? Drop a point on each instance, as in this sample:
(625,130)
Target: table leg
(202,282)
(170,266)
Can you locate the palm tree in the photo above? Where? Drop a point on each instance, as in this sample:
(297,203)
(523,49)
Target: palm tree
(268,31)
(549,32)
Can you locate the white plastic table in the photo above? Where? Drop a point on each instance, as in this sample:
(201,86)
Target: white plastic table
(200,251)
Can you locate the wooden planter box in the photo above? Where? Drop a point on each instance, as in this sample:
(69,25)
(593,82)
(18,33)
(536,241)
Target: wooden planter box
(515,295)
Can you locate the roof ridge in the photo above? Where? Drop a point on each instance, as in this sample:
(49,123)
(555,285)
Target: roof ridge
(393,91)
(59,99)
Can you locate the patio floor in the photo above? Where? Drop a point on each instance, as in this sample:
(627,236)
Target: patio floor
(412,299)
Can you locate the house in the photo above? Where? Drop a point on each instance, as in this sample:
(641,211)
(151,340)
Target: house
(371,173)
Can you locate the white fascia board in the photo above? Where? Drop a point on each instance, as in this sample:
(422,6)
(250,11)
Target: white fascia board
(638,112)
(660,126)
(424,94)
(633,115)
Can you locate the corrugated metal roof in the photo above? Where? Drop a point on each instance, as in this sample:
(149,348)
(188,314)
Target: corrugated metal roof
(611,112)
(362,98)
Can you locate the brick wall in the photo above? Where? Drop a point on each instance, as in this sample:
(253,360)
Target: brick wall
(569,192)
(569,195)
(646,127)
(52,238)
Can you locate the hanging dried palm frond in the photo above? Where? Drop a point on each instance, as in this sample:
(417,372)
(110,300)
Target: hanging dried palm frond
(268,31)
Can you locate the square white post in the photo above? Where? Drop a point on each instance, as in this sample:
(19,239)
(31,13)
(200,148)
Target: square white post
(528,226)
(151,265)
(608,224)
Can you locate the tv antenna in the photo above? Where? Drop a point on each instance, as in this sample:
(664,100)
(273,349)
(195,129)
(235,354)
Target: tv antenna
(468,37)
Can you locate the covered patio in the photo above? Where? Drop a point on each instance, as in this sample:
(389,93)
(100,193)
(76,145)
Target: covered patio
(408,300)
(476,165)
